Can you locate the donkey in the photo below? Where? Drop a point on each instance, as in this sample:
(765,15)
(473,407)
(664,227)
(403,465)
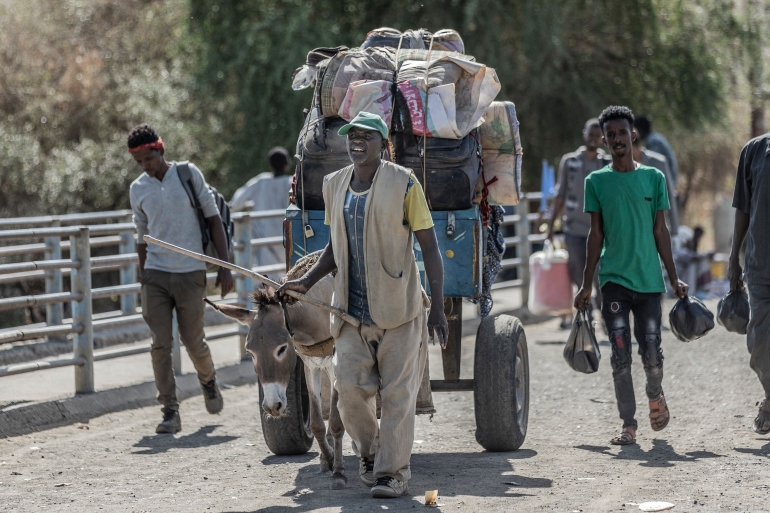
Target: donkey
(274,352)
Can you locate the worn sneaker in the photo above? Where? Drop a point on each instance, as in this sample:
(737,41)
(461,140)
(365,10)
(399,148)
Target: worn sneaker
(366,471)
(172,423)
(762,422)
(212,396)
(389,488)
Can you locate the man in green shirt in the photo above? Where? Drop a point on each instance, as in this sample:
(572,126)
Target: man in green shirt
(628,232)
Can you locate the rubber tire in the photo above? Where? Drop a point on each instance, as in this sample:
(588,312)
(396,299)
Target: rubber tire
(498,341)
(290,434)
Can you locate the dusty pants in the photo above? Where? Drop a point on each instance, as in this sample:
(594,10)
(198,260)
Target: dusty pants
(758,333)
(161,293)
(618,303)
(369,358)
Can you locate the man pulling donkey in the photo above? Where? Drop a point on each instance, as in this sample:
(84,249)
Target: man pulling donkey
(374,209)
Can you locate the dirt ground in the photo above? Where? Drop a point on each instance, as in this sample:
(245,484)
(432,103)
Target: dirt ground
(708,459)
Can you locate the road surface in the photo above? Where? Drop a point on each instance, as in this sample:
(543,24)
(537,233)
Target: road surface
(707,459)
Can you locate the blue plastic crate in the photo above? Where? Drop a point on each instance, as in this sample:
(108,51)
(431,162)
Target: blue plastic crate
(461,247)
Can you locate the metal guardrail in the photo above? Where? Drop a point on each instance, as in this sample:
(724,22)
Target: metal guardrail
(523,221)
(81,265)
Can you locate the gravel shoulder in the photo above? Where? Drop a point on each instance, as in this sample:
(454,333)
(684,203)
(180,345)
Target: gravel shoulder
(706,460)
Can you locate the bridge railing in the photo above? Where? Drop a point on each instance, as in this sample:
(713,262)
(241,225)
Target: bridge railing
(526,236)
(43,236)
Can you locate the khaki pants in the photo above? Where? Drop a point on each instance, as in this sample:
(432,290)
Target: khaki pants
(161,293)
(369,358)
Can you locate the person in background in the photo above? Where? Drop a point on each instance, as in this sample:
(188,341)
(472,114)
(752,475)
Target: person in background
(751,201)
(267,191)
(170,280)
(654,159)
(573,170)
(654,141)
(626,201)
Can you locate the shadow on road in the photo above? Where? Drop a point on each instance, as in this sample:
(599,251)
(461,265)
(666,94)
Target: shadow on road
(762,451)
(661,455)
(280,460)
(481,475)
(161,443)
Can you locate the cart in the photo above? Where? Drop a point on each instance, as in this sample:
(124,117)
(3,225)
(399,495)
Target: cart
(501,364)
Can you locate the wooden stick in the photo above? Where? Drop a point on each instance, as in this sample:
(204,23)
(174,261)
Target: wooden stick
(248,272)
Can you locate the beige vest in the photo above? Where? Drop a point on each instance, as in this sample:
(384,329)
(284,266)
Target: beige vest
(392,278)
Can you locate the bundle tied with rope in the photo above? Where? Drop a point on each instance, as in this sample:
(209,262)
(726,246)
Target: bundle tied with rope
(422,86)
(445,125)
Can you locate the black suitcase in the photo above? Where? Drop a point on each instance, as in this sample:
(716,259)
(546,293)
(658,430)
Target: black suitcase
(320,151)
(452,167)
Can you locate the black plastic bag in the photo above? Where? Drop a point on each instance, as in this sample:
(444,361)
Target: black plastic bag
(733,311)
(582,351)
(690,319)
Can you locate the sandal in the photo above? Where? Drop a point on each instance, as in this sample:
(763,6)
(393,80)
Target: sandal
(659,415)
(762,422)
(626,437)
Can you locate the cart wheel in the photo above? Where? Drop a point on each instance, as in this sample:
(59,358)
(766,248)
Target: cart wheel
(501,383)
(289,434)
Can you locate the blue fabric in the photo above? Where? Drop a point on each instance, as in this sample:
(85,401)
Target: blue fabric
(547,185)
(358,302)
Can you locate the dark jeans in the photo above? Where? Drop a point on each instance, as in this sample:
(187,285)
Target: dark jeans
(618,303)
(758,333)
(576,248)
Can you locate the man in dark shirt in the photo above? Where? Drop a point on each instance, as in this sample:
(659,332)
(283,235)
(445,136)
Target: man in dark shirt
(654,141)
(573,170)
(752,216)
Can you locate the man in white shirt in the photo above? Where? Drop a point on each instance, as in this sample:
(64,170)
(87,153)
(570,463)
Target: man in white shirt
(267,191)
(162,209)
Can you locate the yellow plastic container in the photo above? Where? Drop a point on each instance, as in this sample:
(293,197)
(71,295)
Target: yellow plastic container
(718,269)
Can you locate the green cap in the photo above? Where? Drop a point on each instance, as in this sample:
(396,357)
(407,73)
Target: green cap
(367,121)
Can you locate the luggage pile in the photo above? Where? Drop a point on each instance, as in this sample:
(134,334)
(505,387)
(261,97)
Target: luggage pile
(463,146)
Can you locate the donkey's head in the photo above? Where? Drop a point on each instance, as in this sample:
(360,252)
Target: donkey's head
(270,346)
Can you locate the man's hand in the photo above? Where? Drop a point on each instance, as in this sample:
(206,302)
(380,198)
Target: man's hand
(437,324)
(583,298)
(680,288)
(734,272)
(224,280)
(295,285)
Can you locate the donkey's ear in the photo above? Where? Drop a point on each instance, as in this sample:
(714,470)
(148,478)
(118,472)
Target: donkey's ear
(241,315)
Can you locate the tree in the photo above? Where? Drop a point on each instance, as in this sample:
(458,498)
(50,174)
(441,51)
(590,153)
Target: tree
(561,61)
(756,26)
(74,78)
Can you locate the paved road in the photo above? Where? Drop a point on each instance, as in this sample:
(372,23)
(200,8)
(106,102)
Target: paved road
(706,460)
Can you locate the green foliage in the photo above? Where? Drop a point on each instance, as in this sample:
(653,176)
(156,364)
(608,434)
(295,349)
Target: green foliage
(69,95)
(561,61)
(214,78)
